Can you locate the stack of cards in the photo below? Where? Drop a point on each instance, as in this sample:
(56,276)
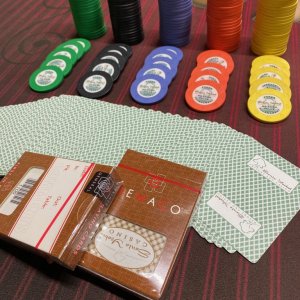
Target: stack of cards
(56,127)
(249,201)
(251,193)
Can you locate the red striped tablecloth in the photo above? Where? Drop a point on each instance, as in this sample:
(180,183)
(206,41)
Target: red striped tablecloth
(31,29)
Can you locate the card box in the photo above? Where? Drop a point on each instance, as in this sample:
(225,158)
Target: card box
(138,242)
(51,205)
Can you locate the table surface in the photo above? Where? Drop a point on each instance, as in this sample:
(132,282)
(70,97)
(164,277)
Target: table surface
(31,29)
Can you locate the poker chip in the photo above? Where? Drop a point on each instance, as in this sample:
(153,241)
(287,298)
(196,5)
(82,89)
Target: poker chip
(270,93)
(126,48)
(272,27)
(224,24)
(270,83)
(94,84)
(74,45)
(64,63)
(269,106)
(174,52)
(63,57)
(104,70)
(126,20)
(68,52)
(115,49)
(218,57)
(88,18)
(46,78)
(271,61)
(160,68)
(175,18)
(108,66)
(166,62)
(210,67)
(160,61)
(208,81)
(271,73)
(208,75)
(205,96)
(86,44)
(148,89)
(159,55)
(114,56)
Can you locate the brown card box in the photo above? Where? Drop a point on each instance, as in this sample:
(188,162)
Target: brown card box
(137,244)
(47,205)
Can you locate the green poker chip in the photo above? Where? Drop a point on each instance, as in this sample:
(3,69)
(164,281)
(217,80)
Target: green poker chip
(84,42)
(46,78)
(88,18)
(74,45)
(63,62)
(68,52)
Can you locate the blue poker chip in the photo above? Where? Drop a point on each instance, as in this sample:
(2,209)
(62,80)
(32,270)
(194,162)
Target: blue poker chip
(175,22)
(157,69)
(148,89)
(166,62)
(160,54)
(174,52)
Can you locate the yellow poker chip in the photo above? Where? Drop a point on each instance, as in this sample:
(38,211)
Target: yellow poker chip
(273,23)
(270,61)
(271,65)
(270,83)
(269,106)
(269,72)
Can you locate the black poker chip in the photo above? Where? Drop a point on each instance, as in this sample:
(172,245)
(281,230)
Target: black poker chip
(104,70)
(95,84)
(126,20)
(108,66)
(114,56)
(116,49)
(127,48)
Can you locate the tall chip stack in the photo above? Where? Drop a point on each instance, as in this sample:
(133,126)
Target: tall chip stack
(224,24)
(175,18)
(88,18)
(272,28)
(126,21)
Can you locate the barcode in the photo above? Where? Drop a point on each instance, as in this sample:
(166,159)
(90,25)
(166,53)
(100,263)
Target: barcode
(23,190)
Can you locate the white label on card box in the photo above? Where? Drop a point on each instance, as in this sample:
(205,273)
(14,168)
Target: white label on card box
(45,213)
(234,215)
(24,186)
(269,171)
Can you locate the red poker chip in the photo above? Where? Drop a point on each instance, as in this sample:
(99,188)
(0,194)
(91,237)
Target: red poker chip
(224,23)
(218,57)
(212,67)
(205,96)
(198,75)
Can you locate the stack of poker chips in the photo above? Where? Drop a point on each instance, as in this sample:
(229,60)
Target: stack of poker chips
(175,22)
(104,71)
(126,21)
(270,93)
(224,24)
(58,64)
(88,18)
(153,80)
(273,23)
(208,82)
